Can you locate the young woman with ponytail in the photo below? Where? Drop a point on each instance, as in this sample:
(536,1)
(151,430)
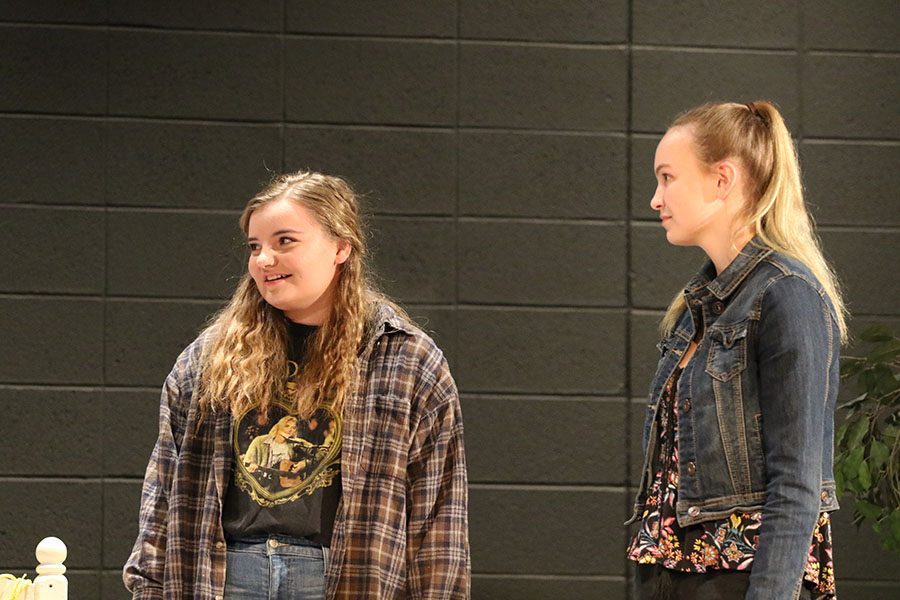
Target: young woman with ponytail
(310,439)
(737,482)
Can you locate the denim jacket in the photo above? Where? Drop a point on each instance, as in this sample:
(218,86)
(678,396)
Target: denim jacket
(756,412)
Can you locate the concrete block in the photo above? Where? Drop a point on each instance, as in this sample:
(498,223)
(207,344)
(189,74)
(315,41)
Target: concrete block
(864,25)
(53,11)
(143,338)
(867,590)
(67,244)
(372,17)
(199,75)
(516,530)
(53,70)
(541,263)
(643,181)
(62,422)
(564,21)
(202,254)
(130,428)
(538,87)
(413,258)
(51,340)
(858,553)
(51,161)
(121,506)
(667,82)
(548,587)
(851,183)
(410,171)
(644,333)
(659,270)
(860,257)
(189,165)
(69,509)
(851,96)
(112,587)
(548,351)
(384,82)
(530,440)
(753,24)
(542,175)
(261,15)
(635,448)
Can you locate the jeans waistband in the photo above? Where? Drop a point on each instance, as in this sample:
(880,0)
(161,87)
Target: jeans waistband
(275,540)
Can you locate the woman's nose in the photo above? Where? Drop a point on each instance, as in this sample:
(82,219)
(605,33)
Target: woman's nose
(656,200)
(264,259)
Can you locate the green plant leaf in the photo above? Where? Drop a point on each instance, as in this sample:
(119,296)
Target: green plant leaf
(852,403)
(877,333)
(851,463)
(839,437)
(878,456)
(839,482)
(890,433)
(866,381)
(889,530)
(894,520)
(865,476)
(856,434)
(867,509)
(886,352)
(881,380)
(867,442)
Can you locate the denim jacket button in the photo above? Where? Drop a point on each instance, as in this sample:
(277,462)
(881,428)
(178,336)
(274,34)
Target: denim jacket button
(693,511)
(825,496)
(718,307)
(685,406)
(691,469)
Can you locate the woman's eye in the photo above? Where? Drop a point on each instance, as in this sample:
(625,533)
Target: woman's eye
(666,177)
(285,240)
(253,247)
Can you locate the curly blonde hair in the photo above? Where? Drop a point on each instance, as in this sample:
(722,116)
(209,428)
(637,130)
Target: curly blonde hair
(243,364)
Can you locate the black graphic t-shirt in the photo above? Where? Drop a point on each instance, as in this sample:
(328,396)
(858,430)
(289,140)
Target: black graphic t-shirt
(286,476)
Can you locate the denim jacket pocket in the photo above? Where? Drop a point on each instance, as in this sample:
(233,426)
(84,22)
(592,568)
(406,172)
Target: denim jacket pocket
(727,359)
(727,351)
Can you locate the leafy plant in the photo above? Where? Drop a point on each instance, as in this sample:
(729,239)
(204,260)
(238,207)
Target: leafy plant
(867,464)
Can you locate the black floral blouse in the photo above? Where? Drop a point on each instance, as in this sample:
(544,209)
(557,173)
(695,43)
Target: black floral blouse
(729,543)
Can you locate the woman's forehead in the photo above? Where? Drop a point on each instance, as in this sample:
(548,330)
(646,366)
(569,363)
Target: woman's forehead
(675,146)
(281,213)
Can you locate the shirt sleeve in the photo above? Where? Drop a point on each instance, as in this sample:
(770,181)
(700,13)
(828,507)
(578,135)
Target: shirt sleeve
(144,570)
(798,353)
(437,548)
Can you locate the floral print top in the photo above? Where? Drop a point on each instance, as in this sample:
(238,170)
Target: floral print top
(729,543)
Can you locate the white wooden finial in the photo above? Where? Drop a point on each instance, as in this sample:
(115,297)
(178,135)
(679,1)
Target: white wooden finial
(51,583)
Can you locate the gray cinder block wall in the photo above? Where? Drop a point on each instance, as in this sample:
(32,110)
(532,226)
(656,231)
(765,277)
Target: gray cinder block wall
(506,150)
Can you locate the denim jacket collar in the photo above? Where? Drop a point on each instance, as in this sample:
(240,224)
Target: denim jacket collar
(727,281)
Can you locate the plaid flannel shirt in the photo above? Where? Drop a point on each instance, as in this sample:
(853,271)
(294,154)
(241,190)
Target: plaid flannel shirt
(401,527)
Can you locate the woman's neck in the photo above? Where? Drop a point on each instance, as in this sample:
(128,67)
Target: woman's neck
(723,250)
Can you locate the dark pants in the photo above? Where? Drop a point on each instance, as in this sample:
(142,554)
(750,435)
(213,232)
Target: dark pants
(655,583)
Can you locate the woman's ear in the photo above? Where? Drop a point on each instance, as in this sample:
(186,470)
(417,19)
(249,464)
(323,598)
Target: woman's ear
(727,175)
(343,252)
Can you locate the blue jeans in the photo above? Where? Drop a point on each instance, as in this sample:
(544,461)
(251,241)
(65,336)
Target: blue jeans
(275,568)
